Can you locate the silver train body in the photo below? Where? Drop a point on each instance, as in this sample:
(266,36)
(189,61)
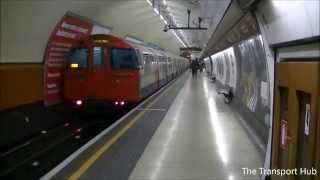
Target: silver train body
(158,67)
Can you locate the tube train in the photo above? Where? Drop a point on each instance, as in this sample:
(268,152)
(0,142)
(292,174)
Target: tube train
(108,69)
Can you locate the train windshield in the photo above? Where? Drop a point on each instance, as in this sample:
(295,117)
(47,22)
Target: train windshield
(124,59)
(78,58)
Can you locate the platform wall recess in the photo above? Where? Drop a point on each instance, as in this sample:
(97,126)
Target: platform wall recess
(243,68)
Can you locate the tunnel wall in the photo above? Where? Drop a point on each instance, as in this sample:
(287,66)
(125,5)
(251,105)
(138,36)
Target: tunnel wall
(242,67)
(20,84)
(240,63)
(286,21)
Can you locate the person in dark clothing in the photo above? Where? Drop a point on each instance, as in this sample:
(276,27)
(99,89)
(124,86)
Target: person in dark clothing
(194,68)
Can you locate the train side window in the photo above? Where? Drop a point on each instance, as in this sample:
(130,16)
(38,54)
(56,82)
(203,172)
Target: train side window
(97,56)
(153,61)
(124,59)
(150,61)
(146,62)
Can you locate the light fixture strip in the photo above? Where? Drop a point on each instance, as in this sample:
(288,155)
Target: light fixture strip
(163,19)
(179,39)
(156,11)
(149,2)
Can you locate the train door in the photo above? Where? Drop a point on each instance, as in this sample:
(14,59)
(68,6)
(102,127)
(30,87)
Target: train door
(296,129)
(98,69)
(167,69)
(157,70)
(161,70)
(170,69)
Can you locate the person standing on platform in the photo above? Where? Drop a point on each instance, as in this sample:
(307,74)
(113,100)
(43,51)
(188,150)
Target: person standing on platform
(194,68)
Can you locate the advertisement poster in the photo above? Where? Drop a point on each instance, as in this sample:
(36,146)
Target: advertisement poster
(307,120)
(284,135)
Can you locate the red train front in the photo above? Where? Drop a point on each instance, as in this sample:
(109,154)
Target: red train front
(103,68)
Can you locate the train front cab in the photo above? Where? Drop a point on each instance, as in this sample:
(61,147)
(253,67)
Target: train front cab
(105,69)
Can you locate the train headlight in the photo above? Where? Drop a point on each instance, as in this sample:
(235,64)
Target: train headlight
(78,102)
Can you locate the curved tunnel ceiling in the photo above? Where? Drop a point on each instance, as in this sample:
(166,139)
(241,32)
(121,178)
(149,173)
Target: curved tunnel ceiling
(176,11)
(26,25)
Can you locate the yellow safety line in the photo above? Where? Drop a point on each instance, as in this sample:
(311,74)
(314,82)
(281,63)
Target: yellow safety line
(89,162)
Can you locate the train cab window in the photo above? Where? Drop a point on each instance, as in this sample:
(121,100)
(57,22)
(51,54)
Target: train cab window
(78,58)
(124,59)
(97,56)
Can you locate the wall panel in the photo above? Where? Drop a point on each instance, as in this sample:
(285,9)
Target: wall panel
(243,68)
(20,84)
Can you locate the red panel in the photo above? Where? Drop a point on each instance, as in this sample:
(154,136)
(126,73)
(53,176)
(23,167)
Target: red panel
(76,84)
(67,34)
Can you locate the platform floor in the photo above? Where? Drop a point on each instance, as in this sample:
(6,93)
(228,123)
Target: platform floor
(199,138)
(185,132)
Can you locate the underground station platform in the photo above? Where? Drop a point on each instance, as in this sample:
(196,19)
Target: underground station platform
(164,138)
(160,89)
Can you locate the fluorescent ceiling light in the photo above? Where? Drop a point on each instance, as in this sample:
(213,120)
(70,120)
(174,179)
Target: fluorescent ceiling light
(165,21)
(133,39)
(175,34)
(162,18)
(149,2)
(156,10)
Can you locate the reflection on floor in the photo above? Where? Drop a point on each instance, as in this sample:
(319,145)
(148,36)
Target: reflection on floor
(199,138)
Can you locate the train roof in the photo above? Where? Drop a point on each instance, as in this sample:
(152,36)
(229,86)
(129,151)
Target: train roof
(108,40)
(146,49)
